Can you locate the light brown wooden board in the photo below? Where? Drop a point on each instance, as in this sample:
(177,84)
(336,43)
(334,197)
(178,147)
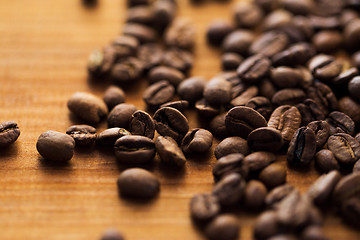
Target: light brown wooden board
(44,47)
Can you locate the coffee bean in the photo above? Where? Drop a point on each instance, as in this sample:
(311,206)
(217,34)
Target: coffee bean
(347,15)
(113,96)
(141,32)
(217,91)
(298,8)
(269,43)
(120,115)
(127,71)
(350,210)
(230,61)
(240,121)
(277,194)
(84,135)
(340,123)
(244,97)
(347,187)
(313,232)
(350,107)
(305,25)
(257,161)
(204,108)
(87,106)
(232,145)
(231,163)
(322,132)
(101,61)
(302,147)
(325,22)
(283,236)
(267,88)
(179,59)
(134,149)
(310,111)
(169,151)
(277,18)
(323,96)
(255,193)
(164,13)
(298,53)
(327,41)
(125,46)
(326,161)
(9,133)
(217,31)
(197,141)
(171,122)
(151,55)
(141,123)
(112,234)
(223,227)
(254,68)
(141,15)
(138,183)
(230,189)
(345,148)
(109,136)
(307,79)
(180,105)
(266,225)
(320,191)
(265,139)
(273,175)
(287,120)
(324,67)
(356,167)
(286,77)
(247,15)
(354,88)
(204,207)
(180,34)
(238,42)
(131,3)
(217,126)
(191,89)
(288,96)
(346,76)
(267,5)
(169,74)
(55,146)
(260,104)
(351,33)
(158,93)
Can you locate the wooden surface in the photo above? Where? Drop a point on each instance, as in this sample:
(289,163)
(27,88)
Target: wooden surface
(44,47)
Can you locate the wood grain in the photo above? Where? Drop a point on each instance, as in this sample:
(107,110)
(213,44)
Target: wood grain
(44,47)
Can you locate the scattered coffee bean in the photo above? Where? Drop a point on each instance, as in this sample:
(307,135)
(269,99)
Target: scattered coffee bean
(204,207)
(238,42)
(255,193)
(230,189)
(141,123)
(191,89)
(269,43)
(180,105)
(325,67)
(217,91)
(9,133)
(127,71)
(321,190)
(164,13)
(151,55)
(277,18)
(286,77)
(265,139)
(288,96)
(266,225)
(260,104)
(345,148)
(180,34)
(141,32)
(347,187)
(206,110)
(254,68)
(273,175)
(217,126)
(244,97)
(356,167)
(346,76)
(158,93)
(223,227)
(232,145)
(197,141)
(101,61)
(309,114)
(125,46)
(218,30)
(231,163)
(120,115)
(179,59)
(247,14)
(169,74)
(113,96)
(109,136)
(354,88)
(230,61)
(326,161)
(140,14)
(298,53)
(134,149)
(350,210)
(323,96)
(257,161)
(351,33)
(340,123)
(302,147)
(84,135)
(313,232)
(277,194)
(327,40)
(350,107)
(169,151)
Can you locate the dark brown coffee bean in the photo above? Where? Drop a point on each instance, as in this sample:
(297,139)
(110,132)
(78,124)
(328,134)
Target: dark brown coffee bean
(180,105)
(231,163)
(140,14)
(310,111)
(141,32)
(164,13)
(346,76)
(288,96)
(277,18)
(256,161)
(298,53)
(197,141)
(181,60)
(84,135)
(223,227)
(151,55)
(232,145)
(313,232)
(204,207)
(247,14)
(109,136)
(356,59)
(308,79)
(238,41)
(217,126)
(286,77)
(347,15)
(141,123)
(327,41)
(218,30)
(267,5)
(244,97)
(169,151)
(260,104)
(204,108)
(302,147)
(350,210)
(324,67)
(351,33)
(345,148)
(112,234)
(180,34)
(101,61)
(230,189)
(269,43)
(254,68)
(265,139)
(120,115)
(267,89)
(277,194)
(127,70)
(125,46)
(255,193)
(323,96)
(131,3)
(266,225)
(320,191)
(191,89)
(87,106)
(9,133)
(356,167)
(305,25)
(138,183)
(113,96)
(217,91)
(171,122)
(347,187)
(350,107)
(325,22)
(340,122)
(158,93)
(326,161)
(287,120)
(169,74)
(299,8)
(230,61)
(354,88)
(273,175)
(55,146)
(240,121)
(134,149)
(322,132)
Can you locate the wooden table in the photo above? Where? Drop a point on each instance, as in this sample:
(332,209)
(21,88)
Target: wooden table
(44,47)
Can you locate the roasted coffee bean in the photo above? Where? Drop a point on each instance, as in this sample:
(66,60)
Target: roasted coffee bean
(217,91)
(232,145)
(288,96)
(305,25)
(256,161)
(120,115)
(265,139)
(218,30)
(131,3)
(217,126)
(180,34)
(244,97)
(134,149)
(125,46)
(197,141)
(351,33)
(84,135)
(141,32)
(340,123)
(255,193)
(347,187)
(55,146)
(273,175)
(113,96)
(302,147)
(171,122)
(277,18)
(267,5)
(324,67)
(9,133)
(101,61)
(325,22)
(350,107)
(327,41)
(322,132)
(87,106)
(313,232)
(230,189)
(169,151)
(191,89)
(320,191)
(308,79)
(204,207)
(141,123)
(345,148)
(323,96)
(231,163)
(180,105)
(254,68)
(277,194)
(260,104)
(350,210)
(158,93)
(164,13)
(267,89)
(266,225)
(230,61)
(138,183)
(356,167)
(269,43)
(204,108)
(181,60)
(247,15)
(310,111)
(286,77)
(354,88)
(141,15)
(357,137)
(298,53)
(127,70)
(356,59)
(240,121)
(151,55)
(296,7)
(293,32)
(109,136)
(346,76)
(287,120)
(347,15)
(326,161)
(238,42)
(223,227)
(169,74)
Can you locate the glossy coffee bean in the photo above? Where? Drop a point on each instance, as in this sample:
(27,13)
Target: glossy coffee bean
(84,135)
(134,149)
(256,161)
(350,210)
(113,96)
(265,139)
(322,132)
(247,15)
(310,111)
(232,145)
(277,194)
(345,148)
(191,89)
(9,133)
(230,189)
(302,147)
(120,115)
(296,54)
(238,42)
(231,163)
(180,105)
(320,191)
(100,62)
(158,93)
(340,122)
(350,107)
(346,76)
(217,126)
(218,30)
(277,18)
(354,88)
(205,109)
(242,98)
(288,96)
(323,96)
(286,77)
(169,151)
(327,41)
(230,61)
(347,187)
(179,59)
(151,55)
(273,175)
(269,43)
(223,227)
(109,136)
(254,68)
(324,67)
(127,71)
(124,46)
(217,91)
(142,33)
(141,123)
(140,14)
(204,207)
(266,225)
(180,34)
(326,161)
(260,104)
(164,14)
(169,74)
(351,33)
(255,193)
(197,141)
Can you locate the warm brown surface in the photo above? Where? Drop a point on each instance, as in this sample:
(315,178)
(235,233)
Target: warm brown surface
(44,47)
